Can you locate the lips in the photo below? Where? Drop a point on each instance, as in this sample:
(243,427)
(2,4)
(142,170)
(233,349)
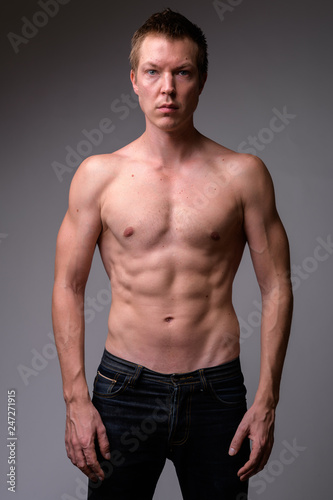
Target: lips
(168,105)
(168,108)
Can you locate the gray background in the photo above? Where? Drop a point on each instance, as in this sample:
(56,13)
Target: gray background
(264,55)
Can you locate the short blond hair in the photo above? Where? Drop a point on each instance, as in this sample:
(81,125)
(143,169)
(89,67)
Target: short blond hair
(175,26)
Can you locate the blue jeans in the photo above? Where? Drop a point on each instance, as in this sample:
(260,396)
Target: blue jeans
(189,418)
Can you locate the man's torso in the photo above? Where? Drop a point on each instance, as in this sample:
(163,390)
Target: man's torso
(171,244)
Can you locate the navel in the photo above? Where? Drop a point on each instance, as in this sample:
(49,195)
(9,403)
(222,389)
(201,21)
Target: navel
(128,232)
(215,236)
(168,319)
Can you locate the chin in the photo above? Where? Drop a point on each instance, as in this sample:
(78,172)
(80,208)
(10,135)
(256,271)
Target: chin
(165,123)
(170,127)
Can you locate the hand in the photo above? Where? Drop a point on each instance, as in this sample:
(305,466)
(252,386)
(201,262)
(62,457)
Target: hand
(258,425)
(83,424)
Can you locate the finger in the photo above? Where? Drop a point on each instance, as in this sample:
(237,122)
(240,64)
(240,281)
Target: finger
(238,439)
(254,459)
(80,461)
(92,462)
(84,467)
(70,450)
(247,474)
(264,461)
(258,460)
(253,465)
(103,442)
(79,455)
(68,443)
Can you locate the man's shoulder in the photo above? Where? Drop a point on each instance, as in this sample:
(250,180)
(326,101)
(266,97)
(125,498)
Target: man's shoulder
(246,166)
(245,175)
(102,168)
(92,177)
(249,178)
(238,165)
(100,165)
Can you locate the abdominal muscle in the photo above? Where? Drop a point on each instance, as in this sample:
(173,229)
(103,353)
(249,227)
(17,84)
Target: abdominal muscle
(172,321)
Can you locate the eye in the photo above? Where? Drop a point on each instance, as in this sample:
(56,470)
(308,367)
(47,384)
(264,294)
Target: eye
(151,72)
(184,72)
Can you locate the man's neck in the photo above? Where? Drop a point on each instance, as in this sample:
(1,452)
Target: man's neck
(170,148)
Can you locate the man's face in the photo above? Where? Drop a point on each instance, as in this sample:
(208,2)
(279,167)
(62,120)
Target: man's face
(167,81)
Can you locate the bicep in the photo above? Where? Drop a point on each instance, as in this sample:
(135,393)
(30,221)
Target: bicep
(264,230)
(74,252)
(77,236)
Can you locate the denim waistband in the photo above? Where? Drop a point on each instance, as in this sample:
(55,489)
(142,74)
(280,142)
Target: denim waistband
(219,372)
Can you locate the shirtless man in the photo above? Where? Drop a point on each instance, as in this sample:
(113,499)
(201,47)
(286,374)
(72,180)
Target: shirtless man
(171,213)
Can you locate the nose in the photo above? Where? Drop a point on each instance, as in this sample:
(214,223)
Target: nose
(168,86)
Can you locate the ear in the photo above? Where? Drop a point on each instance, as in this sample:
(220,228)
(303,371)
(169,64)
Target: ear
(133,80)
(202,83)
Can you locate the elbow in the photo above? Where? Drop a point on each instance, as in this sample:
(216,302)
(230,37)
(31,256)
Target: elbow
(280,288)
(74,287)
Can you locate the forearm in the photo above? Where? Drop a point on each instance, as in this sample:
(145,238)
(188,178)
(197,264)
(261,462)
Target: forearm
(68,325)
(277,306)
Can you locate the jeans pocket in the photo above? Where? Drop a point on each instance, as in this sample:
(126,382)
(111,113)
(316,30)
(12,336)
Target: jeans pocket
(110,384)
(231,394)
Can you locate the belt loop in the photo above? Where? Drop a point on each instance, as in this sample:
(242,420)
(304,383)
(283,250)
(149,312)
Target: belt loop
(203,379)
(136,375)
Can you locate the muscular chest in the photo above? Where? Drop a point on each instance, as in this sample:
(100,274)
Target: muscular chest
(146,212)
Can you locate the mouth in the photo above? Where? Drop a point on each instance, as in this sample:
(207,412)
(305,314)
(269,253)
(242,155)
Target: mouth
(168,108)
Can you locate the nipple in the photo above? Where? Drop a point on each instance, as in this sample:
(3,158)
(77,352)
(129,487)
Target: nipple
(215,236)
(128,232)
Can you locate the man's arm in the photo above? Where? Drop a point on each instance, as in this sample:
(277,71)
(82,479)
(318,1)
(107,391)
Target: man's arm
(75,248)
(269,251)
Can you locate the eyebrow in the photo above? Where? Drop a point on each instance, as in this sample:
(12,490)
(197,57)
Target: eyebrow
(148,63)
(154,65)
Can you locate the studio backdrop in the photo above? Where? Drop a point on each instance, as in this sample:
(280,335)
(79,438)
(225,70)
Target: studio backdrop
(66,95)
